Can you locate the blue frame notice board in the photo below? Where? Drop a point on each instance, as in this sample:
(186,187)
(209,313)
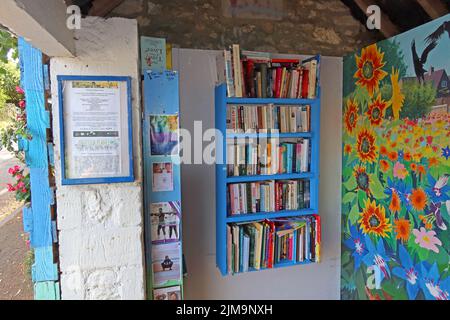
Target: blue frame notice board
(123,132)
(162,198)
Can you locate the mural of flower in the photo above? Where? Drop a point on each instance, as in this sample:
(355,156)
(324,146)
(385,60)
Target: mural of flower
(402,229)
(446,152)
(427,239)
(357,245)
(362,179)
(398,98)
(383,151)
(365,146)
(373,220)
(395,202)
(348,149)
(400,171)
(376,110)
(377,256)
(351,116)
(384,165)
(407,271)
(418,199)
(370,73)
(431,284)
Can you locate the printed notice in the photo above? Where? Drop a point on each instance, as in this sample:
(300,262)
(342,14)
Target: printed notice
(93,129)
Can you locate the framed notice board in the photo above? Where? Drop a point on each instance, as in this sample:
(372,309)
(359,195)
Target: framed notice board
(96,129)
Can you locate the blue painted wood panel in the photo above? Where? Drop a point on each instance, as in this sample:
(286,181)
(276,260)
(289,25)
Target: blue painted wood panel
(161,97)
(37,217)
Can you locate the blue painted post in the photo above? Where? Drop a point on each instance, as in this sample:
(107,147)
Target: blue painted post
(37,217)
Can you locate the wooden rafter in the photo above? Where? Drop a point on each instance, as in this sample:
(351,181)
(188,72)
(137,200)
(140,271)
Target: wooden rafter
(101,8)
(434,8)
(388,28)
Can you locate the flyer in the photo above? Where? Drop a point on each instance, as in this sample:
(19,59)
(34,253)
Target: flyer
(165,222)
(164,135)
(162,174)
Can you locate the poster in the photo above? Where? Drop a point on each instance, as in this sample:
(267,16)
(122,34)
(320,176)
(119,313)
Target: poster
(166,260)
(396,165)
(165,222)
(153,54)
(96,137)
(162,177)
(172,293)
(164,135)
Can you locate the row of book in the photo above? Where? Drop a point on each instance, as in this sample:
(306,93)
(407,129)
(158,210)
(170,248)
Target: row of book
(268,243)
(284,119)
(259,75)
(268,196)
(268,157)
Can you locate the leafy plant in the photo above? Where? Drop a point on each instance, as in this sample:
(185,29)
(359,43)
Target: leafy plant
(22,186)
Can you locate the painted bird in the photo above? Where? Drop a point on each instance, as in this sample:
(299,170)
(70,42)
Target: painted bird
(420,62)
(436,35)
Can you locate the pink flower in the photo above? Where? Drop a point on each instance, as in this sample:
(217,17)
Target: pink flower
(20,185)
(24,190)
(19,177)
(400,171)
(13,170)
(11,188)
(427,239)
(22,104)
(19,90)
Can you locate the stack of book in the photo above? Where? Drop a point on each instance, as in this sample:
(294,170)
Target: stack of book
(268,157)
(268,243)
(284,119)
(268,196)
(259,75)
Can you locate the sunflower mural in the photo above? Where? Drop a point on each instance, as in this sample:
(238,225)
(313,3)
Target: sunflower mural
(396,170)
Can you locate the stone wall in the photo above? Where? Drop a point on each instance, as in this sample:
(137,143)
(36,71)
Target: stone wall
(101,226)
(308,27)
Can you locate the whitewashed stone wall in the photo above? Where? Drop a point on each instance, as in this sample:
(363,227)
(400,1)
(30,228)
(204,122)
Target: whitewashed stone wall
(101,226)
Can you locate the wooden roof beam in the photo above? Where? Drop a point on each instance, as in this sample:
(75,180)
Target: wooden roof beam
(434,8)
(388,28)
(101,8)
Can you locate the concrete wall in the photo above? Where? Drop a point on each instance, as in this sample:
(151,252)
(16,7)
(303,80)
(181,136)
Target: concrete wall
(101,226)
(317,281)
(308,26)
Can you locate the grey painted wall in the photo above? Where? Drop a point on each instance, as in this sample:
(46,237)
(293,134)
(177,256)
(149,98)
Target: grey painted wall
(317,281)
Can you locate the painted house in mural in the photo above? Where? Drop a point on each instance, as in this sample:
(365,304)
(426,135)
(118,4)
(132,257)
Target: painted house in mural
(396,168)
(440,81)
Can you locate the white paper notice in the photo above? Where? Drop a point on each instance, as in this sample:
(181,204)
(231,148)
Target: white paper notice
(93,129)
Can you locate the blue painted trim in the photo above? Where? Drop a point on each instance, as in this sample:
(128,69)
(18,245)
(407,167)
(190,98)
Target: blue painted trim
(103,180)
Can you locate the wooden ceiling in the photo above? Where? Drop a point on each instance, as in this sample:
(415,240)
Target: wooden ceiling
(397,15)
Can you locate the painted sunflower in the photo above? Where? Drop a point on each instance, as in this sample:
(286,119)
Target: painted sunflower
(398,98)
(373,220)
(376,111)
(362,179)
(365,146)
(418,199)
(370,64)
(402,229)
(351,116)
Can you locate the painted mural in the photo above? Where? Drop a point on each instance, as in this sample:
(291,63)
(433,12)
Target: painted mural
(396,168)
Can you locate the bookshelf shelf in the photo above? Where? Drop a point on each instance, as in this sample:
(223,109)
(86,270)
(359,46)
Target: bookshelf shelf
(255,101)
(269,177)
(222,103)
(280,265)
(269,135)
(269,215)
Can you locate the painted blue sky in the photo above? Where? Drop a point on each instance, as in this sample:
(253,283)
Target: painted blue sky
(438,58)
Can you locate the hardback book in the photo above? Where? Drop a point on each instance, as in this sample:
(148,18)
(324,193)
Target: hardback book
(153,54)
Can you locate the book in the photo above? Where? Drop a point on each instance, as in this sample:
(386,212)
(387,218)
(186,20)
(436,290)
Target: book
(259,75)
(153,54)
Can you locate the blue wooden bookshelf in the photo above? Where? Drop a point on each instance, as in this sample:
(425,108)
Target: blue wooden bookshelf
(222,180)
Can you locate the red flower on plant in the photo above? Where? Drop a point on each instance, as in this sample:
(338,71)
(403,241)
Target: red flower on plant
(11,188)
(22,104)
(19,90)
(14,170)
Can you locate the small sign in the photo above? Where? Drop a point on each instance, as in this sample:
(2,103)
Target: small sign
(153,54)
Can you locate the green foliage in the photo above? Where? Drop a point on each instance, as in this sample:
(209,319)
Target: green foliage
(9,80)
(7,42)
(418,99)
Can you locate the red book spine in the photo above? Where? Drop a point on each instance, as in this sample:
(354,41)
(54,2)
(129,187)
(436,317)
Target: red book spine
(248,79)
(278,82)
(305,84)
